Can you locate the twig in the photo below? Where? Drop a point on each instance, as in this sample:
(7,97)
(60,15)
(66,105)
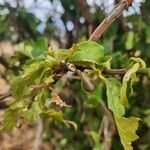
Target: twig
(141,71)
(110,19)
(60,67)
(38,86)
(114,71)
(71,67)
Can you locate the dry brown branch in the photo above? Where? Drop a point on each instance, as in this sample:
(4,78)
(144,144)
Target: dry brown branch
(38,86)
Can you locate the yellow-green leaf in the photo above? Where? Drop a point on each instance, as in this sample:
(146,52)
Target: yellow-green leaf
(113,90)
(127,130)
(68,123)
(140,61)
(9,120)
(130,40)
(33,113)
(56,115)
(126,78)
(49,80)
(87,52)
(96,139)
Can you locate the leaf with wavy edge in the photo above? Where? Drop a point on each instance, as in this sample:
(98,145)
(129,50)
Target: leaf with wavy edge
(87,52)
(126,126)
(127,130)
(113,90)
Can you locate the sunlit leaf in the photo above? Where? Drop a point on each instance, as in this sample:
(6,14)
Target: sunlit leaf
(130,40)
(40,47)
(10,119)
(123,93)
(33,113)
(113,91)
(56,115)
(33,49)
(19,88)
(49,80)
(130,84)
(127,130)
(59,54)
(138,60)
(87,51)
(38,70)
(68,123)
(126,126)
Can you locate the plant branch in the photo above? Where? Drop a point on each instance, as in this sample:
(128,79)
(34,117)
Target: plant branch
(38,86)
(110,19)
(141,71)
(72,68)
(114,71)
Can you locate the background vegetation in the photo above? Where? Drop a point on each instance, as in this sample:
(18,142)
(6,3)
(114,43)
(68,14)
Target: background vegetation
(68,22)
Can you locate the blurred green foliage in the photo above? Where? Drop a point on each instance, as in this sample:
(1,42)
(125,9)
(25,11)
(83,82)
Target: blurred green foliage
(127,37)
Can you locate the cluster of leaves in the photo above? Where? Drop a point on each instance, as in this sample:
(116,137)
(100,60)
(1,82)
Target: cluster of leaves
(42,67)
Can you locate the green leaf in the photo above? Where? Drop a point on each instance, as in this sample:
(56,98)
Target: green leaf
(87,52)
(126,126)
(130,40)
(130,83)
(56,115)
(36,71)
(147,120)
(24,49)
(9,119)
(147,117)
(19,88)
(40,47)
(138,60)
(96,138)
(33,49)
(129,74)
(68,123)
(127,130)
(113,91)
(95,97)
(49,80)
(59,54)
(148,35)
(144,71)
(33,113)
